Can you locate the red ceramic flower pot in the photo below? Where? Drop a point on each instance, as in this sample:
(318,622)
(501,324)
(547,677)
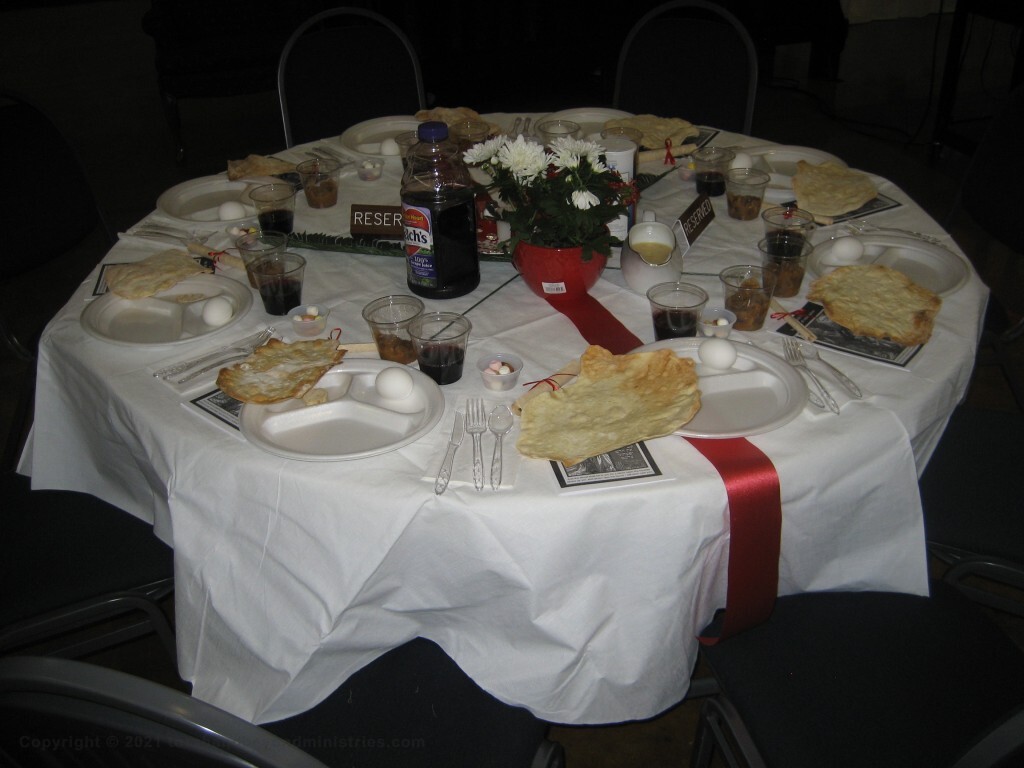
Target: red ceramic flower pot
(558,274)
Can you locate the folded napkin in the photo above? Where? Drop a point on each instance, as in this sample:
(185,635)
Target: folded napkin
(462,466)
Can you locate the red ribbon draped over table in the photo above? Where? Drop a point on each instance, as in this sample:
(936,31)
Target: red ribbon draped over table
(751,484)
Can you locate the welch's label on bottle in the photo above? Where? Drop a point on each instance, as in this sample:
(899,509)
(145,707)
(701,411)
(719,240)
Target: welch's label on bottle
(418,235)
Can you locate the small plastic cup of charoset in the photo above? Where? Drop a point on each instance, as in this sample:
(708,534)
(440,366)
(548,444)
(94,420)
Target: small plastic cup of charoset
(499,371)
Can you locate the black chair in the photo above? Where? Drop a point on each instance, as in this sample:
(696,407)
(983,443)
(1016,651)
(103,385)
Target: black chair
(710,55)
(411,708)
(987,193)
(322,93)
(46,255)
(844,679)
(78,575)
(974,517)
(208,50)
(57,712)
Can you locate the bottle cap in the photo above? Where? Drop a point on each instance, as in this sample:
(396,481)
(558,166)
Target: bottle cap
(432,131)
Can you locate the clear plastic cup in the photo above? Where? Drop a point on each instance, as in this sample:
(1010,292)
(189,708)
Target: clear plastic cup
(389,318)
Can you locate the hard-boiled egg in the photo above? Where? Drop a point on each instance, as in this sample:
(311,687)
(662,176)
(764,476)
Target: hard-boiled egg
(845,250)
(217,311)
(389,146)
(394,383)
(231,210)
(742,160)
(717,353)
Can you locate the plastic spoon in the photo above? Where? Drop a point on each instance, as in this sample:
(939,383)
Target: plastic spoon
(499,421)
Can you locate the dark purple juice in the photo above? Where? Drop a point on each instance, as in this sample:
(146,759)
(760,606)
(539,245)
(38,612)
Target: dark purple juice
(450,266)
(280,295)
(278,220)
(674,323)
(442,362)
(710,183)
(786,244)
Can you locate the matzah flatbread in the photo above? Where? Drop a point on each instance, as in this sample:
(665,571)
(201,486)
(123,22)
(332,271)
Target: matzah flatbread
(279,371)
(153,274)
(879,302)
(615,401)
(257,165)
(656,129)
(829,189)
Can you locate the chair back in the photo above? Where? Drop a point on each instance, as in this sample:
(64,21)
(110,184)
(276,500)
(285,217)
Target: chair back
(64,712)
(343,66)
(691,59)
(56,231)
(41,167)
(990,190)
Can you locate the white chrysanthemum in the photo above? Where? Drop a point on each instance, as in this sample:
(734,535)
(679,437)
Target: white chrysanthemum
(524,159)
(563,158)
(570,152)
(584,199)
(483,152)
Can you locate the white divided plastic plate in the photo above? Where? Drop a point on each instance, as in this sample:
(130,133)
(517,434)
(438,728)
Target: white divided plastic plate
(780,162)
(930,266)
(591,119)
(161,319)
(354,423)
(364,138)
(199,199)
(761,392)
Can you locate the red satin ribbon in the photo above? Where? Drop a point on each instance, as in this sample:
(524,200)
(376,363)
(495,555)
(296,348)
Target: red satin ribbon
(596,324)
(755,531)
(751,483)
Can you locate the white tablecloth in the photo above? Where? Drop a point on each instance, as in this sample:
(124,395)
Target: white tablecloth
(581,606)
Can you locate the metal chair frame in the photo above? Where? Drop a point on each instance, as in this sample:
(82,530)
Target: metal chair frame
(714,10)
(148,718)
(332,14)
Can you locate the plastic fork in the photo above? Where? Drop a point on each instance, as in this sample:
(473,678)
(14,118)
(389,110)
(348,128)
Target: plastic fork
(154,230)
(793,356)
(243,347)
(862,227)
(476,425)
(812,352)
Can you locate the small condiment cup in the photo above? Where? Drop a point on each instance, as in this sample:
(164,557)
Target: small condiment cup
(309,319)
(370,170)
(717,322)
(494,379)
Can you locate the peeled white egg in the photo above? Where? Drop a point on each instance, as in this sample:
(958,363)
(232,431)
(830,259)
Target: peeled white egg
(217,311)
(230,210)
(742,160)
(717,353)
(389,147)
(845,250)
(394,383)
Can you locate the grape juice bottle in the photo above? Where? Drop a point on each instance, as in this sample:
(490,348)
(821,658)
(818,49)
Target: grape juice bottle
(439,217)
